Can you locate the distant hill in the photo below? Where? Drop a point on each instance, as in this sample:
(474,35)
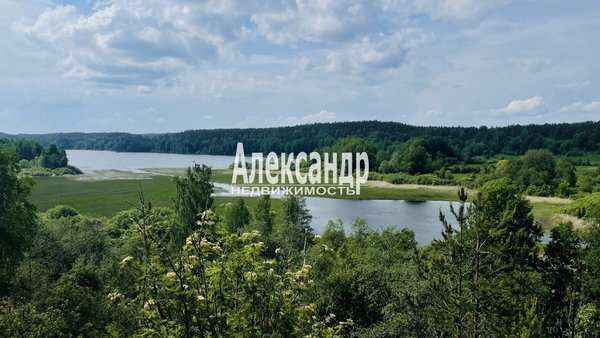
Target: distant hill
(563,138)
(6,136)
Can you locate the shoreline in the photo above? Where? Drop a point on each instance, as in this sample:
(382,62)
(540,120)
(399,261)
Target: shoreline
(548,211)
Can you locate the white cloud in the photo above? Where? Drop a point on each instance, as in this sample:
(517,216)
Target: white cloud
(590,107)
(527,105)
(126,43)
(318,21)
(122,43)
(533,106)
(377,52)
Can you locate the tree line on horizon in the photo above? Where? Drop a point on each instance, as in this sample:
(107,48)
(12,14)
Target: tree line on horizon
(467,143)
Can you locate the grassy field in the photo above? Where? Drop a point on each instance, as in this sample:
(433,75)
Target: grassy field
(114,192)
(101,197)
(107,193)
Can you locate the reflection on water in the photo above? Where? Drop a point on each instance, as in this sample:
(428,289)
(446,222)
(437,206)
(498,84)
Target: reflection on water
(420,216)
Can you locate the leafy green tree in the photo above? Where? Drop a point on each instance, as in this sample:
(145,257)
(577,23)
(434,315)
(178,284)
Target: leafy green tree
(29,149)
(588,316)
(194,192)
(294,234)
(353,282)
(481,278)
(354,145)
(566,176)
(504,217)
(61,211)
(25,320)
(18,222)
(414,159)
(561,277)
(536,173)
(53,157)
(77,306)
(586,207)
(212,287)
(237,216)
(333,234)
(264,216)
(62,240)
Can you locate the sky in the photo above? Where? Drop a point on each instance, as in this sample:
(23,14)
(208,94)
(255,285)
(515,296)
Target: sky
(150,66)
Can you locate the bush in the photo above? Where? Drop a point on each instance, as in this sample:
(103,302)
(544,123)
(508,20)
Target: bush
(587,207)
(60,211)
(425,179)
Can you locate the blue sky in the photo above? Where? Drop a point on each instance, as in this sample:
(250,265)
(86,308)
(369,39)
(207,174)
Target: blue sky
(162,66)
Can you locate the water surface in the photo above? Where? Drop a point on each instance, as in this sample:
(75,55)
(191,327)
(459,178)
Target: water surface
(94,160)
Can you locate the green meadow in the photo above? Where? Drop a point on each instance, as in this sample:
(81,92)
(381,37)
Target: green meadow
(106,193)
(113,192)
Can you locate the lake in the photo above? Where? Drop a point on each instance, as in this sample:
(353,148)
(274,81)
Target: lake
(93,160)
(421,217)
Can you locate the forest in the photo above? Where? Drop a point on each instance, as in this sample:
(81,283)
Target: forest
(466,143)
(187,271)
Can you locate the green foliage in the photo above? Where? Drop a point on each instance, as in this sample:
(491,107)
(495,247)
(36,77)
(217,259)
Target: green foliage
(76,304)
(18,222)
(591,260)
(53,157)
(480,279)
(60,211)
(419,156)
(35,160)
(25,320)
(29,149)
(158,272)
(425,179)
(263,215)
(294,234)
(236,216)
(590,181)
(587,207)
(358,279)
(561,277)
(333,234)
(536,173)
(354,145)
(214,287)
(34,170)
(193,194)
